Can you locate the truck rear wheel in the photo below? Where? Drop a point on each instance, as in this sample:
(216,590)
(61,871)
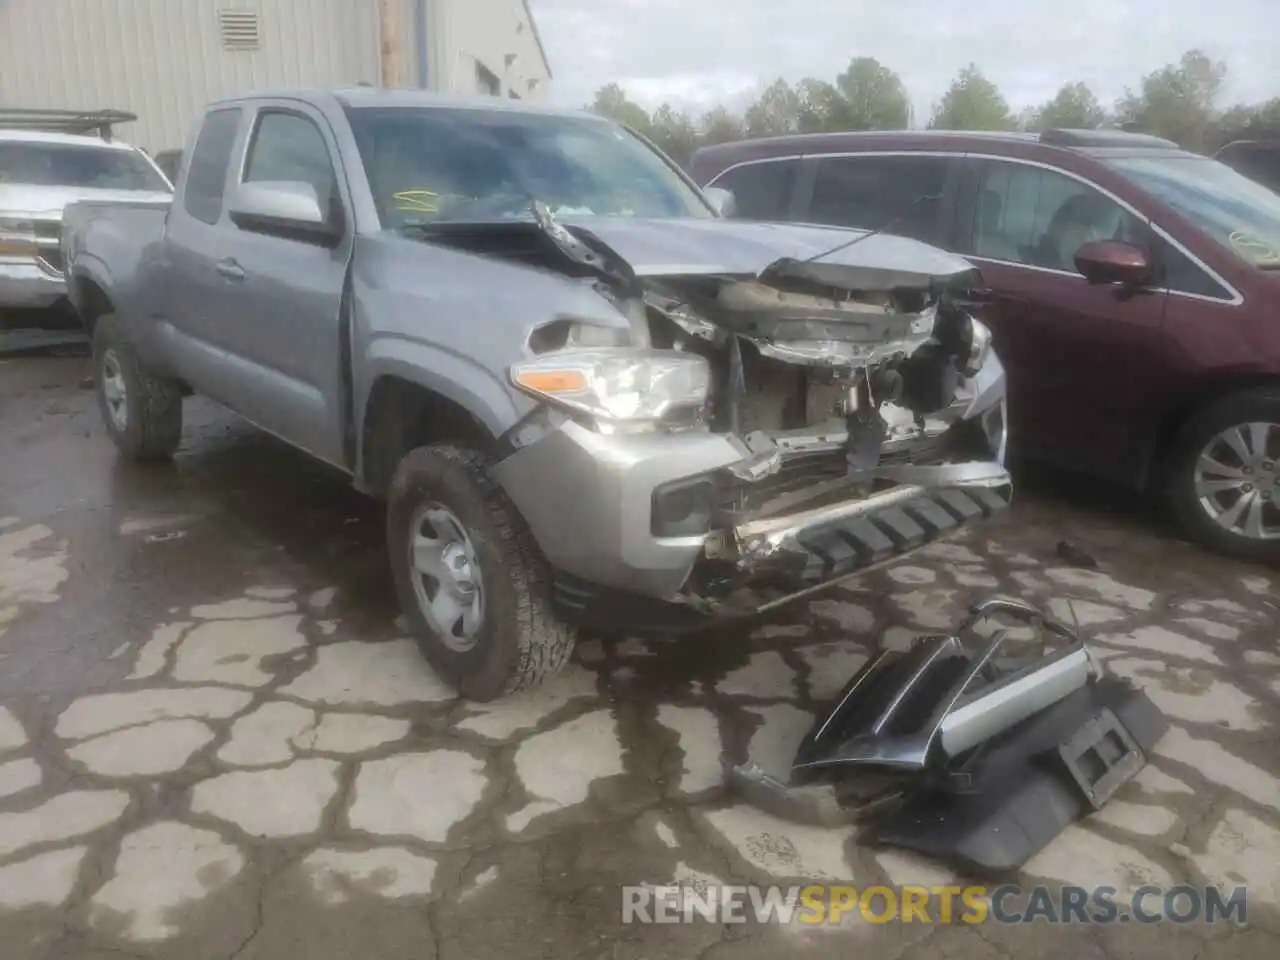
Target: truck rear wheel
(473,584)
(142,412)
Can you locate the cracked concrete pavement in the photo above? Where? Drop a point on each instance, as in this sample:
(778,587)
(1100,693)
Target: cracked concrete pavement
(216,742)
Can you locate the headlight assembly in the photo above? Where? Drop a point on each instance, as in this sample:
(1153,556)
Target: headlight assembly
(17,237)
(635,388)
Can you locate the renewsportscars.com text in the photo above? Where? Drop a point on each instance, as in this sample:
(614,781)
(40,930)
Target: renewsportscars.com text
(1008,904)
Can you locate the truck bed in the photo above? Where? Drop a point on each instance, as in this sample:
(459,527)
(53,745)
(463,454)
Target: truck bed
(108,238)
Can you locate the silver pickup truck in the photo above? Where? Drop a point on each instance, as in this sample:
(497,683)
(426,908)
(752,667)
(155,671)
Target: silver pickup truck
(586,396)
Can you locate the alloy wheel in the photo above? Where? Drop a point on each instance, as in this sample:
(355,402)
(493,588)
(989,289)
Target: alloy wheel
(1237,480)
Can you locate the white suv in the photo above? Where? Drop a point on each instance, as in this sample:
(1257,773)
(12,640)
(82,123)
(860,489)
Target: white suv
(47,159)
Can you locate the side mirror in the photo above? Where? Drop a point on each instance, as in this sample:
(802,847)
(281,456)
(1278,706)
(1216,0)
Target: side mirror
(722,200)
(286,207)
(1113,261)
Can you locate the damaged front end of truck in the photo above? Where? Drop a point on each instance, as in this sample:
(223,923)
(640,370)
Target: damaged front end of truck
(755,427)
(744,436)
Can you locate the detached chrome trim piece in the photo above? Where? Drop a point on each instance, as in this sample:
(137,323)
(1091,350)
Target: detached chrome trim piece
(965,715)
(988,714)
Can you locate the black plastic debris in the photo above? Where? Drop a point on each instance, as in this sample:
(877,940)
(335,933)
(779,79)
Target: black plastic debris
(964,750)
(999,808)
(1073,555)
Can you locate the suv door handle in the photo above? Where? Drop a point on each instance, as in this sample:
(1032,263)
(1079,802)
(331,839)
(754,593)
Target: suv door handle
(229,269)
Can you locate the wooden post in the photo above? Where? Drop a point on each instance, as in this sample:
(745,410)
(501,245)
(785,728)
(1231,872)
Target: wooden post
(389,34)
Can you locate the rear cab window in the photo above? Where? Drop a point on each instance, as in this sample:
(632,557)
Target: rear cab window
(206,182)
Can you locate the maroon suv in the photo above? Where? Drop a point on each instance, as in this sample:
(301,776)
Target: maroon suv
(1134,293)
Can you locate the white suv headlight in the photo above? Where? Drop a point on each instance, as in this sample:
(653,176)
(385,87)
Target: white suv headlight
(17,237)
(623,386)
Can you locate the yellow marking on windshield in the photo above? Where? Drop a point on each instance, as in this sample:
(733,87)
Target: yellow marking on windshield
(416,201)
(1255,249)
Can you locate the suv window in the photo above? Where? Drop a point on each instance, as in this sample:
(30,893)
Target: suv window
(898,194)
(1235,212)
(207,171)
(761,190)
(62,165)
(288,146)
(1040,217)
(1181,274)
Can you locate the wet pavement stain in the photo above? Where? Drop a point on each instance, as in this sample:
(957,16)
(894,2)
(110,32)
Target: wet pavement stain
(215,741)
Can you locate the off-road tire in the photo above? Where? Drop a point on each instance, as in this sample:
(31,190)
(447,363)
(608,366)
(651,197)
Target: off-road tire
(153,405)
(521,642)
(1179,471)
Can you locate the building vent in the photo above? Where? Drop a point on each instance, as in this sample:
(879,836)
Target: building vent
(239,29)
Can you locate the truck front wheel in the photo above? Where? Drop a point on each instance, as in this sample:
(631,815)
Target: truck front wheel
(142,412)
(473,584)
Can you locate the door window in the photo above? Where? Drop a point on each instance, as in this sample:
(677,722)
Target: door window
(1181,275)
(207,172)
(897,194)
(287,146)
(762,191)
(1040,217)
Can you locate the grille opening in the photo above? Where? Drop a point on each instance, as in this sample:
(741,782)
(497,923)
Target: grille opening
(239,29)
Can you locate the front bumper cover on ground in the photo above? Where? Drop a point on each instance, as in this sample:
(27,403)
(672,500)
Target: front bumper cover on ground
(941,751)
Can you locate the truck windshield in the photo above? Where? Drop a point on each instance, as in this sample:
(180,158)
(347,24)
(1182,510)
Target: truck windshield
(1240,214)
(432,164)
(66,165)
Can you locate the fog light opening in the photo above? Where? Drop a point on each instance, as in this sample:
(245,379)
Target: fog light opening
(682,508)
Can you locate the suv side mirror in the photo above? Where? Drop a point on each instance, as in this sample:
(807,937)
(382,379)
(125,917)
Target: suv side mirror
(724,202)
(286,207)
(1113,261)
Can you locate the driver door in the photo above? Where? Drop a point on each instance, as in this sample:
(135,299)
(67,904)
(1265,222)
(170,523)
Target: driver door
(281,299)
(1083,360)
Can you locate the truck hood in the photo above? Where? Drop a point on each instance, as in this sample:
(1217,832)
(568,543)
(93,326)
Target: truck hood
(833,296)
(46,203)
(690,247)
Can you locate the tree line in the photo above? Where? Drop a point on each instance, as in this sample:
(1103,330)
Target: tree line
(1179,102)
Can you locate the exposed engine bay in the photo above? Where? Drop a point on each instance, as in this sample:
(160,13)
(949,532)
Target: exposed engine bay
(746,411)
(842,370)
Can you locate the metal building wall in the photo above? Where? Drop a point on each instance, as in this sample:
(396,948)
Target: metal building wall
(164,59)
(500,37)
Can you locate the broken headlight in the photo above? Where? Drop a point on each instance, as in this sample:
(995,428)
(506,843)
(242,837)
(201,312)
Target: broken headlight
(979,347)
(625,387)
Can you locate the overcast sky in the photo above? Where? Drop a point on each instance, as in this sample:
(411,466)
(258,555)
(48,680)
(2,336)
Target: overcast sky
(697,53)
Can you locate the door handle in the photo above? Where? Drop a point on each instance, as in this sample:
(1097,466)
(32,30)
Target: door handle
(229,269)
